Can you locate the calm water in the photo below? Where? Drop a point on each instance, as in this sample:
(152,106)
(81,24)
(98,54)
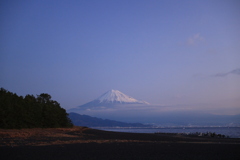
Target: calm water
(232,132)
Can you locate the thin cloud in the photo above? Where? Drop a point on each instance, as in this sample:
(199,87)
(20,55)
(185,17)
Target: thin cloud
(235,71)
(193,40)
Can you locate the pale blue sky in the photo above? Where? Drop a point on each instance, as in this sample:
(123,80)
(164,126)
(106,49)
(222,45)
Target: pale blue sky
(179,53)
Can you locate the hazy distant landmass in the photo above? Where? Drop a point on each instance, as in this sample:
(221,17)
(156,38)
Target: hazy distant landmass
(88,121)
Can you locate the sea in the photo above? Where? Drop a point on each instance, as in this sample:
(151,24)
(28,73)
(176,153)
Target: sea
(231,132)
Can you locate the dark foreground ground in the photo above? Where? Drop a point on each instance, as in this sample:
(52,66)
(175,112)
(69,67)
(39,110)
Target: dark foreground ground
(84,143)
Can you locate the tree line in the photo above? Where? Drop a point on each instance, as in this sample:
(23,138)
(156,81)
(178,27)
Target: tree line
(31,112)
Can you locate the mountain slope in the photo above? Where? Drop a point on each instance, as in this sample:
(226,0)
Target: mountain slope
(88,121)
(109,99)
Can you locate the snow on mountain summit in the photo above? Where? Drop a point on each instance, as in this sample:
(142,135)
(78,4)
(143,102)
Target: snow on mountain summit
(115,96)
(109,99)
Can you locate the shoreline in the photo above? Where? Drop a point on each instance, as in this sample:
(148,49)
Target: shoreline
(227,132)
(87,143)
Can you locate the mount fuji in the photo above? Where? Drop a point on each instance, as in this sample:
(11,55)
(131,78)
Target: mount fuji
(117,97)
(117,106)
(110,99)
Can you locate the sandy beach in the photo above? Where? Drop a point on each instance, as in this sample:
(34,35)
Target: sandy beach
(85,143)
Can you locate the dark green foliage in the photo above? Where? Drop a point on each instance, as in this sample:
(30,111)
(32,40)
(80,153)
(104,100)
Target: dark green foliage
(31,112)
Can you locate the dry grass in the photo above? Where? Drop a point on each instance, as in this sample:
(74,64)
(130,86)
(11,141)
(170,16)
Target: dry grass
(50,136)
(39,136)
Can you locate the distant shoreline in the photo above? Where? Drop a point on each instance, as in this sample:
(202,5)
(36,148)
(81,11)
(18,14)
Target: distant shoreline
(163,127)
(227,132)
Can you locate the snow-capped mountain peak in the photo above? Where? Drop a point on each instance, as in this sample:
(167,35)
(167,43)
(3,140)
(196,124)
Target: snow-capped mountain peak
(115,96)
(109,99)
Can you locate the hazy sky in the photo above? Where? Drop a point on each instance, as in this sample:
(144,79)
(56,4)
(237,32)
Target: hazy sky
(171,53)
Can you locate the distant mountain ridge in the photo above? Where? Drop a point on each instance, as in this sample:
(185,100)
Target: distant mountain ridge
(88,121)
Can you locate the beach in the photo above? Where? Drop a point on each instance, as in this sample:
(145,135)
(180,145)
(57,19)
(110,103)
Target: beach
(85,143)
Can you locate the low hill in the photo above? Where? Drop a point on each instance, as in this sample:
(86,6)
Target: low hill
(85,120)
